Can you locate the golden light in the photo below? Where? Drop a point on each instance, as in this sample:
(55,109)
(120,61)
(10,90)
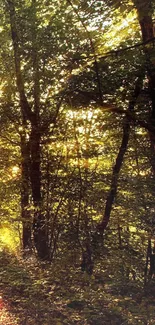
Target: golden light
(15,171)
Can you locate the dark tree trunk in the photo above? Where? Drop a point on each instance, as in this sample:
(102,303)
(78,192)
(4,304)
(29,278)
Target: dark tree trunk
(87,263)
(146,24)
(25,192)
(115,176)
(40,232)
(40,227)
(120,157)
(145,14)
(149,271)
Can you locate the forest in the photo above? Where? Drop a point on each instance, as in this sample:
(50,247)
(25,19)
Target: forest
(77,162)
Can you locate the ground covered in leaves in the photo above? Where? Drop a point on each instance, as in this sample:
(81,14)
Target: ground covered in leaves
(35,293)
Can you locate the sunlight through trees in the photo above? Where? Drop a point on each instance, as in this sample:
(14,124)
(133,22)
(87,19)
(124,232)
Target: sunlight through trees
(77,152)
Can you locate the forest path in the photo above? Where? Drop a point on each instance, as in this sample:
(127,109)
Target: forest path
(34,293)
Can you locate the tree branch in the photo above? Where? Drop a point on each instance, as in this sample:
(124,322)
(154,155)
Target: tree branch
(26,110)
(93,50)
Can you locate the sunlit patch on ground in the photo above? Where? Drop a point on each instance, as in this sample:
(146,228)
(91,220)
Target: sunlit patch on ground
(9,239)
(6,318)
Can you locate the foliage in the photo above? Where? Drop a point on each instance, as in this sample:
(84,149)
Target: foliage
(69,74)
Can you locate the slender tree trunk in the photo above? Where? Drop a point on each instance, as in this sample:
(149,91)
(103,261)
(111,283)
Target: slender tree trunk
(148,254)
(119,234)
(120,157)
(25,192)
(39,223)
(115,176)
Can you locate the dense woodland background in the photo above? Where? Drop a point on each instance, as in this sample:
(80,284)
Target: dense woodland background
(77,161)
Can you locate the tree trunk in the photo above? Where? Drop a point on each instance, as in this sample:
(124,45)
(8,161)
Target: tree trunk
(120,157)
(25,192)
(39,223)
(145,14)
(115,176)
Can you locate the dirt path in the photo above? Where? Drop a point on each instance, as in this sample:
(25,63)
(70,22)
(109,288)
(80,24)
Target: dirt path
(34,293)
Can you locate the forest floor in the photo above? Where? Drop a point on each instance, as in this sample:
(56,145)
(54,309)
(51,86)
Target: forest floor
(35,293)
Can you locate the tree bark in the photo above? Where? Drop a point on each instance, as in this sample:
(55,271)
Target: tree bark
(115,176)
(25,192)
(120,157)
(40,231)
(145,14)
(144,10)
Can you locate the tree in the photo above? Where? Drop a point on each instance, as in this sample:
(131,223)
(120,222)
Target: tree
(28,115)
(76,93)
(27,44)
